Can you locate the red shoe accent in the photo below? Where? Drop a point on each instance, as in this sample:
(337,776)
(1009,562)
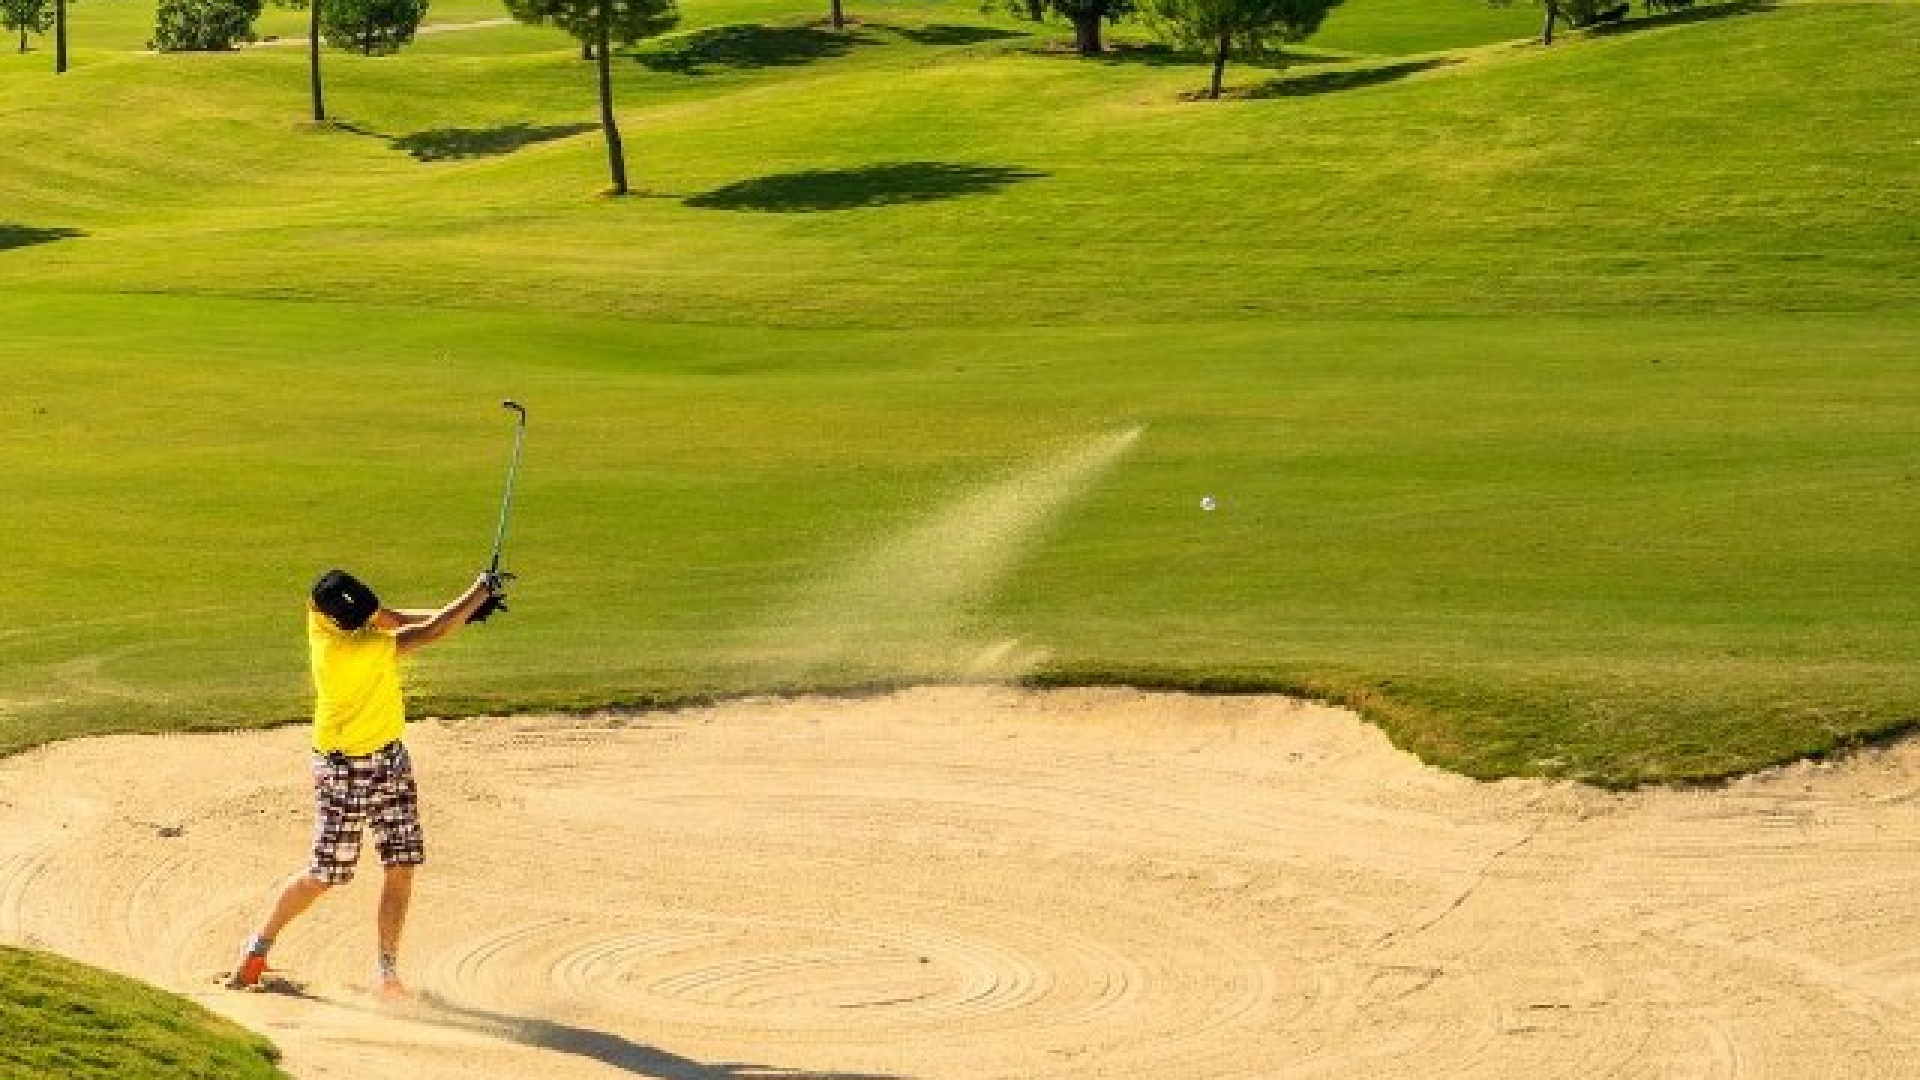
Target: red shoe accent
(247,977)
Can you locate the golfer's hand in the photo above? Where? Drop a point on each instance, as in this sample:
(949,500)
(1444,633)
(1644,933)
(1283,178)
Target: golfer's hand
(495,586)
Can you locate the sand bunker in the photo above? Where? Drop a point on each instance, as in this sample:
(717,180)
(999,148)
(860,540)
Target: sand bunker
(960,883)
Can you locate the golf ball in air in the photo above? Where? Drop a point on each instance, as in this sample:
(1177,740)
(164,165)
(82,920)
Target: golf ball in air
(1206,502)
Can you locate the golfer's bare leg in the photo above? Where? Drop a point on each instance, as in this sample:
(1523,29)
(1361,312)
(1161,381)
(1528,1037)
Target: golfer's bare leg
(396,892)
(296,896)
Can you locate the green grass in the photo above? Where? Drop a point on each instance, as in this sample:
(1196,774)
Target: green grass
(102,29)
(1560,403)
(1404,27)
(62,1019)
(1616,549)
(1568,181)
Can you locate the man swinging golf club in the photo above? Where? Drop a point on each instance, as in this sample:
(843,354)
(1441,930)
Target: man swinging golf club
(361,771)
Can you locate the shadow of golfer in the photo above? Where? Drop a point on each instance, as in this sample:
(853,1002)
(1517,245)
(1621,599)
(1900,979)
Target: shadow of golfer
(607,1048)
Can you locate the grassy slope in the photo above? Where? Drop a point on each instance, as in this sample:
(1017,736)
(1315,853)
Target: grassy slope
(1528,181)
(65,1020)
(1621,513)
(1407,27)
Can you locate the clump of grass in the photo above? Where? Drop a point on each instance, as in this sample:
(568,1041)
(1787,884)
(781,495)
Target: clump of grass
(64,1019)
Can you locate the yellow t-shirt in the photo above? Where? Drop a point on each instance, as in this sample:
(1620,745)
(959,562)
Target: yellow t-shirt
(356,681)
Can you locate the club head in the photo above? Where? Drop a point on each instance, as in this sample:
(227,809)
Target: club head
(515,406)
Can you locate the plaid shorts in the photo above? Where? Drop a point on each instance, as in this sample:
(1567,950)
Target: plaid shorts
(350,792)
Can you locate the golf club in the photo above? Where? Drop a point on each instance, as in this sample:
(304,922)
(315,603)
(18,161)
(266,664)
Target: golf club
(498,601)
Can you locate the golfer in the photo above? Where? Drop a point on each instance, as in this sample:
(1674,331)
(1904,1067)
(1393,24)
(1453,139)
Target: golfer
(361,772)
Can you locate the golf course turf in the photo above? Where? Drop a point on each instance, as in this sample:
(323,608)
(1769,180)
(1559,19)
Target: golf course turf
(1559,403)
(1558,407)
(64,1019)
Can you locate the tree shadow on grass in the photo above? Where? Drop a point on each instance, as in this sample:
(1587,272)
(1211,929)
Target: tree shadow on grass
(1333,82)
(945,34)
(870,185)
(749,46)
(19,236)
(608,1049)
(1160,54)
(1699,13)
(453,144)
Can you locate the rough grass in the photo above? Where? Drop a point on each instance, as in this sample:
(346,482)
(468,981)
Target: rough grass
(62,1019)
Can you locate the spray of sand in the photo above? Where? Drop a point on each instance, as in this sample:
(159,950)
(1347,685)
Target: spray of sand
(902,608)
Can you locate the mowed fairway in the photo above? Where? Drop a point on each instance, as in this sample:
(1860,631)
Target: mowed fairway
(1559,405)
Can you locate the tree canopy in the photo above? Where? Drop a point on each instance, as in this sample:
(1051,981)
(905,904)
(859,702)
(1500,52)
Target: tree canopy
(1085,15)
(371,27)
(621,22)
(203,25)
(1249,27)
(1578,13)
(26,17)
(600,25)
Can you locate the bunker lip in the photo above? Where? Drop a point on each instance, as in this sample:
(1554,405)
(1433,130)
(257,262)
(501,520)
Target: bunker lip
(965,881)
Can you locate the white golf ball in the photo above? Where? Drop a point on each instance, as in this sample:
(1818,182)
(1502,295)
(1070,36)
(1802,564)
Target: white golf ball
(1206,502)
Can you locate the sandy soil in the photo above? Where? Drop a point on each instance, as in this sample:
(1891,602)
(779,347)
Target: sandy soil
(963,883)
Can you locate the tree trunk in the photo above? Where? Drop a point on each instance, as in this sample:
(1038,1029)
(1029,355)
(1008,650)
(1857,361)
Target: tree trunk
(586,50)
(1546,26)
(313,61)
(616,153)
(1219,67)
(23,39)
(1086,34)
(59,36)
(1037,10)
(839,16)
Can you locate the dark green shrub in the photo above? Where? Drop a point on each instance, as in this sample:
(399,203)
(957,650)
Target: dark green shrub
(204,25)
(371,26)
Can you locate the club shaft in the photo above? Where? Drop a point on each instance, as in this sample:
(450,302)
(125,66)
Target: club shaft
(506,498)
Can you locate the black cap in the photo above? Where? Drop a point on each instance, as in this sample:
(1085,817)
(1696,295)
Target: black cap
(345,599)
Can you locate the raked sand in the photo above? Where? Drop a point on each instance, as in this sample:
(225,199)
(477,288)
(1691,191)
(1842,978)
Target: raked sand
(987,883)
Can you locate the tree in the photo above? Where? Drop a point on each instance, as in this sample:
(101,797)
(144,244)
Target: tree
(1577,13)
(59,36)
(601,24)
(203,25)
(372,27)
(1251,27)
(1085,15)
(27,17)
(315,17)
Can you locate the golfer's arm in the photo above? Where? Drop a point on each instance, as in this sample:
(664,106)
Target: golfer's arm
(441,624)
(405,617)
